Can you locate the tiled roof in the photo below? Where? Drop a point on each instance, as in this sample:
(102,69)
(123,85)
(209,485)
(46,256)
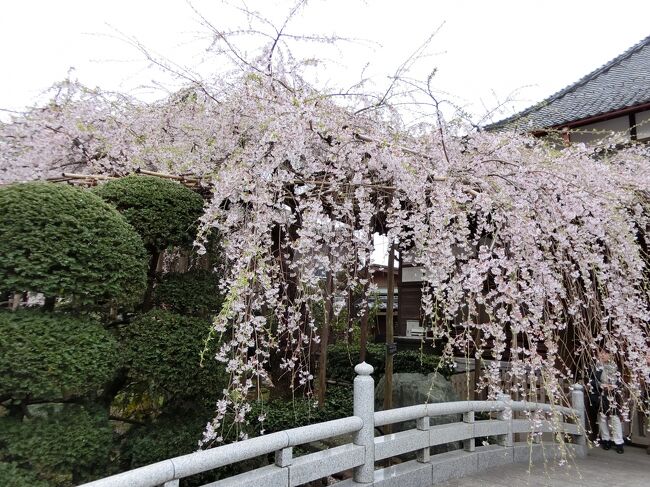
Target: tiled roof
(621,83)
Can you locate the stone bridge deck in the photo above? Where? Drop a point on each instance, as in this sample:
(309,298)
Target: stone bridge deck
(599,468)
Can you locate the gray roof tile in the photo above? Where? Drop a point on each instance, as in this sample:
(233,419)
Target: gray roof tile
(621,83)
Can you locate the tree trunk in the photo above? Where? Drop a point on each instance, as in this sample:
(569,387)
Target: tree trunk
(147,301)
(363,342)
(281,378)
(49,303)
(324,339)
(388,377)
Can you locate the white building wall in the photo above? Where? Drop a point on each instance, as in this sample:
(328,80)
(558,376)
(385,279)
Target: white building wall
(616,130)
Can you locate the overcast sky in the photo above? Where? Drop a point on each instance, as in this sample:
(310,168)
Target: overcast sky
(484,51)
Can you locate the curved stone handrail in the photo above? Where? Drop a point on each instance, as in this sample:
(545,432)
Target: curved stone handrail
(366,449)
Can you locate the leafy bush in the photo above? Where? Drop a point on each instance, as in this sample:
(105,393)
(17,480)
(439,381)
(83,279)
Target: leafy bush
(422,363)
(162,349)
(341,359)
(169,436)
(195,292)
(173,435)
(50,355)
(64,443)
(60,240)
(163,212)
(281,415)
(13,476)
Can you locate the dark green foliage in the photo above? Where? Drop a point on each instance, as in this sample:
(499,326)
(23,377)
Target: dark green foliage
(169,436)
(414,361)
(194,293)
(342,358)
(64,241)
(64,443)
(53,355)
(173,435)
(13,476)
(281,415)
(163,212)
(162,350)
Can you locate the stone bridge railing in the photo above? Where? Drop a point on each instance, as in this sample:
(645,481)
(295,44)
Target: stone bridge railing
(365,450)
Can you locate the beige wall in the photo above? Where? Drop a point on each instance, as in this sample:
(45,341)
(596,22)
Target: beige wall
(643,125)
(614,130)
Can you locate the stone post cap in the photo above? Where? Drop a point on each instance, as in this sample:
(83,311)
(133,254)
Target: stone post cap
(364,369)
(577,387)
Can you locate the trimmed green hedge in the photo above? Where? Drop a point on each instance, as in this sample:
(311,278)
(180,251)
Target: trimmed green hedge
(63,443)
(194,293)
(163,212)
(13,476)
(341,359)
(281,415)
(53,355)
(64,241)
(162,349)
(172,435)
(167,437)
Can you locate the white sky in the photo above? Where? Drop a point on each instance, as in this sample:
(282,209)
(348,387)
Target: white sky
(484,48)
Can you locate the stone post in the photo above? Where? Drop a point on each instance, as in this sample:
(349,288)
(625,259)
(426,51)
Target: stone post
(364,408)
(423,455)
(506,415)
(284,457)
(469,444)
(578,403)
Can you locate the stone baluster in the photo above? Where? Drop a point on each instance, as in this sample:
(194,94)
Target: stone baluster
(364,408)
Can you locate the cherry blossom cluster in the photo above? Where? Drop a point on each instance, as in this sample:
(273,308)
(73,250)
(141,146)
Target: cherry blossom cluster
(529,252)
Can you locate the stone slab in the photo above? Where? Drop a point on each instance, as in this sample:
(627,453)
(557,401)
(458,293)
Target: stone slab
(321,464)
(408,474)
(269,476)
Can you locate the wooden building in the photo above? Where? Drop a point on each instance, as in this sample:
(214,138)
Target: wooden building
(612,101)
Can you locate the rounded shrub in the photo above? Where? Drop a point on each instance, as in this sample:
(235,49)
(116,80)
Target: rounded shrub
(341,359)
(68,442)
(11,475)
(174,435)
(163,212)
(163,350)
(53,356)
(167,437)
(281,414)
(194,293)
(64,241)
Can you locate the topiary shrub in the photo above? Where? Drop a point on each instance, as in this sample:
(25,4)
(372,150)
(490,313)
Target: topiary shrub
(422,363)
(50,355)
(281,415)
(64,443)
(341,359)
(13,476)
(163,212)
(194,293)
(162,349)
(174,435)
(64,241)
(169,436)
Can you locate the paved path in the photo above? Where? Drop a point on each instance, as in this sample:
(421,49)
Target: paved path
(600,468)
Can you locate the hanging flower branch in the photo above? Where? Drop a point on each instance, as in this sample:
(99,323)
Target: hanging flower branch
(527,251)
